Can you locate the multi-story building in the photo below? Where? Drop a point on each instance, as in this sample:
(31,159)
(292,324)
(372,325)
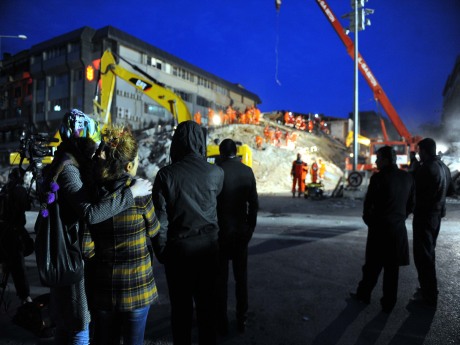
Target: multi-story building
(37,86)
(451,103)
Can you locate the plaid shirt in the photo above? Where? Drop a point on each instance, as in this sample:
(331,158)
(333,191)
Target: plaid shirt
(120,275)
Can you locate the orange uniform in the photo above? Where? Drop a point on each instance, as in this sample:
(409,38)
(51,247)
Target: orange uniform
(197,117)
(314,172)
(259,141)
(299,174)
(322,169)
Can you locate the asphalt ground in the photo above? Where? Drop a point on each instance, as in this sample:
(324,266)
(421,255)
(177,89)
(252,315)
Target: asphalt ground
(304,259)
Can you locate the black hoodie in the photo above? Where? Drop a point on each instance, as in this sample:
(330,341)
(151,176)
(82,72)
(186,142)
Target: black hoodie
(185,192)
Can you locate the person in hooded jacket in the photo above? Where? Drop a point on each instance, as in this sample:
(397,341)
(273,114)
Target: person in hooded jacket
(185,199)
(389,200)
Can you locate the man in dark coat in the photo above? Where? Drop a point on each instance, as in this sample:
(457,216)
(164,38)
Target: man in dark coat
(433,182)
(388,202)
(237,207)
(185,198)
(13,232)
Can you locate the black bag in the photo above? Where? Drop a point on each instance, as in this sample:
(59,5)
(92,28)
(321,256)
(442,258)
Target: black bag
(35,317)
(57,250)
(27,243)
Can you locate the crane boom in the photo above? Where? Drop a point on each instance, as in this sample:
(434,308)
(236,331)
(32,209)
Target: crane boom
(379,93)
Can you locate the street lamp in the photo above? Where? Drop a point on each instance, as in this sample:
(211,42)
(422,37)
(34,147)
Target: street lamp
(358,22)
(22,37)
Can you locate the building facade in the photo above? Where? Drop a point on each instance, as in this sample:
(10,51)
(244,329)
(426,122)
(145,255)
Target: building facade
(39,85)
(451,104)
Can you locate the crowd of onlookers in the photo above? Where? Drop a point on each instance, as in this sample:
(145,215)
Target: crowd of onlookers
(194,219)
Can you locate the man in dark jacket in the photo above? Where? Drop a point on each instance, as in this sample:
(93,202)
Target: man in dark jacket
(237,207)
(433,182)
(388,202)
(185,198)
(14,233)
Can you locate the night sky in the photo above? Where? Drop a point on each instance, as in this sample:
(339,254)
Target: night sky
(292,59)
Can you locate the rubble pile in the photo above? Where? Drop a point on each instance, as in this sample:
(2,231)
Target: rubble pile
(271,163)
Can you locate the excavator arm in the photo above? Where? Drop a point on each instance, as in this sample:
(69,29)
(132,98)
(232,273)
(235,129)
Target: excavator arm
(110,70)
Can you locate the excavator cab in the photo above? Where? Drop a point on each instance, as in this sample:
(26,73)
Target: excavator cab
(243,151)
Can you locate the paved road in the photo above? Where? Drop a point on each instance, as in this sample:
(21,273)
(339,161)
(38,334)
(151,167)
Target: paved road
(304,259)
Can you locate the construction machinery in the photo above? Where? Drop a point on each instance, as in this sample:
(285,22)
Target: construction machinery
(408,142)
(110,70)
(243,151)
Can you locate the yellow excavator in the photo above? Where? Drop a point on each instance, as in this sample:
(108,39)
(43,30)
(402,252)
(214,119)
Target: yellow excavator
(156,91)
(110,70)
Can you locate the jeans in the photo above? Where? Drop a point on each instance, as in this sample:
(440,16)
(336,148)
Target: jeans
(63,336)
(111,326)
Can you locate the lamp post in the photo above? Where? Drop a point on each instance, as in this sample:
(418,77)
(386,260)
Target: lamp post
(22,37)
(358,22)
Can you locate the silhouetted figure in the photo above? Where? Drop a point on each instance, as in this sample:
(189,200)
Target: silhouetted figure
(13,229)
(388,202)
(237,207)
(433,182)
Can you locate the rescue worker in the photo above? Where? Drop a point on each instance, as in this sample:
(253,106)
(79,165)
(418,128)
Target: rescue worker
(287,119)
(267,134)
(278,135)
(256,116)
(299,173)
(314,172)
(288,138)
(197,117)
(259,142)
(322,169)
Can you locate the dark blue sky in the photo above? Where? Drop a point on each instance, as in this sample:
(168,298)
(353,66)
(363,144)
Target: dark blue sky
(411,46)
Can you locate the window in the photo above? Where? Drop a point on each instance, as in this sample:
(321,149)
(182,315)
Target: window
(41,84)
(202,102)
(54,52)
(78,75)
(62,79)
(156,63)
(185,96)
(40,107)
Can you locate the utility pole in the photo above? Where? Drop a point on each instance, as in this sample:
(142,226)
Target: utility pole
(358,22)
